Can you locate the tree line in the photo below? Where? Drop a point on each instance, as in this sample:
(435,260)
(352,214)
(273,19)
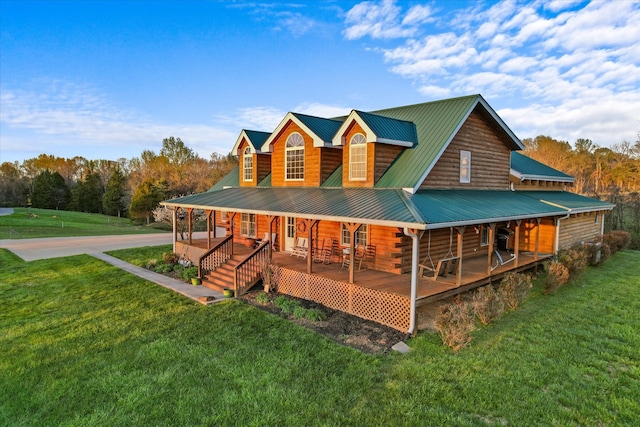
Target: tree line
(124,188)
(133,188)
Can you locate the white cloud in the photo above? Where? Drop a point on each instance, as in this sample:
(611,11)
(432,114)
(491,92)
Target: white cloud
(65,115)
(562,61)
(380,20)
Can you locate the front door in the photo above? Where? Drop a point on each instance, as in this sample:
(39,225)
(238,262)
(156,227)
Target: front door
(289,233)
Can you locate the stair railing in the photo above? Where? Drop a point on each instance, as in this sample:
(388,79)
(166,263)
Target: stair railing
(250,270)
(215,256)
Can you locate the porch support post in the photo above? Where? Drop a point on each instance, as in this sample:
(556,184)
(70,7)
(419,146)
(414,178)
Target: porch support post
(271,219)
(516,244)
(174,227)
(231,218)
(415,259)
(189,211)
(535,255)
(492,230)
(208,212)
(460,231)
(214,224)
(352,227)
(309,224)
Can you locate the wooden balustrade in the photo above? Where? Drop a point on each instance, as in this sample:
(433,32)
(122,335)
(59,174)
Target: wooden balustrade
(249,271)
(215,256)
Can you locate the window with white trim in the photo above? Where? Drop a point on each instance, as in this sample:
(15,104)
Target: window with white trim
(224,216)
(358,158)
(247,162)
(465,167)
(484,235)
(294,158)
(362,234)
(248,225)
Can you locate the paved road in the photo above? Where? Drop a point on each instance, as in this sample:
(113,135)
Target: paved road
(55,247)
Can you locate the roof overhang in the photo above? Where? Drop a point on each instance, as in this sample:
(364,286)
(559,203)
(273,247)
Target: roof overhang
(244,136)
(530,177)
(370,136)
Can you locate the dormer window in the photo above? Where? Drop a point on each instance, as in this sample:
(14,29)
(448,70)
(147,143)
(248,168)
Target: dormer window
(358,158)
(294,158)
(247,162)
(465,167)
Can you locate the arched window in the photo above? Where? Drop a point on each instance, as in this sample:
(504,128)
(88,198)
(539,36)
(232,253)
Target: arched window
(358,158)
(294,157)
(247,161)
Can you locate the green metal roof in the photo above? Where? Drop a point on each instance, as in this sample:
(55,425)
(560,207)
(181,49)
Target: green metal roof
(266,181)
(325,129)
(524,167)
(390,128)
(335,179)
(442,208)
(436,123)
(229,180)
(572,202)
(365,205)
(257,138)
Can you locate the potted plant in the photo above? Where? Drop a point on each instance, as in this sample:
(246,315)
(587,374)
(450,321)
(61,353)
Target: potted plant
(195,281)
(228,293)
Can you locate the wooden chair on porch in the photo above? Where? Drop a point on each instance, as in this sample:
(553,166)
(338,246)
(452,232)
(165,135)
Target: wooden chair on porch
(361,252)
(265,237)
(301,248)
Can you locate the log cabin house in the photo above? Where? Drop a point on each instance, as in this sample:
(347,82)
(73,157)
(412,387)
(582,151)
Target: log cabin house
(379,212)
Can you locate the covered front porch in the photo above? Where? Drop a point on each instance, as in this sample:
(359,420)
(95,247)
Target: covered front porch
(372,294)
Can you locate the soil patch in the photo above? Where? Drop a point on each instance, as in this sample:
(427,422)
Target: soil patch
(364,335)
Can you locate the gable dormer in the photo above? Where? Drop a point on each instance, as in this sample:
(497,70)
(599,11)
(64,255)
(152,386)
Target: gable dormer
(370,144)
(301,151)
(254,165)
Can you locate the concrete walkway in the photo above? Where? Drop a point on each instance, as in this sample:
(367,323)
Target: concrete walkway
(200,294)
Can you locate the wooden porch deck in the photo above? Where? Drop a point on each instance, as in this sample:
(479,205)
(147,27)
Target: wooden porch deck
(474,273)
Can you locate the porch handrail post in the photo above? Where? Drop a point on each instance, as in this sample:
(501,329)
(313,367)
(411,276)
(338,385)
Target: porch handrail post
(174,227)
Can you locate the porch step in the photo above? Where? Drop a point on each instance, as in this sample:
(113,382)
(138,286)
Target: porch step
(223,276)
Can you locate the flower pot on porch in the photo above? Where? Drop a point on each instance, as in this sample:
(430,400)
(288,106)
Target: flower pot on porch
(195,281)
(228,293)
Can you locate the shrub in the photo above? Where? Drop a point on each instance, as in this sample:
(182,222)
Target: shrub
(285,304)
(486,304)
(151,264)
(263,298)
(617,240)
(575,259)
(455,322)
(178,269)
(513,289)
(162,267)
(315,315)
(299,312)
(170,258)
(557,275)
(189,273)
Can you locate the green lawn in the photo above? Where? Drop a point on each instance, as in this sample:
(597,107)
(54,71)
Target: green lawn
(83,344)
(29,223)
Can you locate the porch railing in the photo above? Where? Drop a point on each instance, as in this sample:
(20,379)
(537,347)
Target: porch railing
(215,256)
(249,271)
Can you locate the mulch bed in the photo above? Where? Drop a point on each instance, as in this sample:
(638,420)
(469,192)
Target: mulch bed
(364,335)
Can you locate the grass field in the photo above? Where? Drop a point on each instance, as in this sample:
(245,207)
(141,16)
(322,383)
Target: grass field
(84,344)
(26,223)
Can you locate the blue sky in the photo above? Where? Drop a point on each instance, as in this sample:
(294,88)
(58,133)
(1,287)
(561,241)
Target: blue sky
(109,79)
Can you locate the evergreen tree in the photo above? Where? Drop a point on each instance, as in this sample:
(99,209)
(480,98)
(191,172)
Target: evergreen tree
(50,191)
(113,200)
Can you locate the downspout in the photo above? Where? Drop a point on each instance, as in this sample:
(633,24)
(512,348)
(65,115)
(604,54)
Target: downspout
(415,254)
(557,242)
